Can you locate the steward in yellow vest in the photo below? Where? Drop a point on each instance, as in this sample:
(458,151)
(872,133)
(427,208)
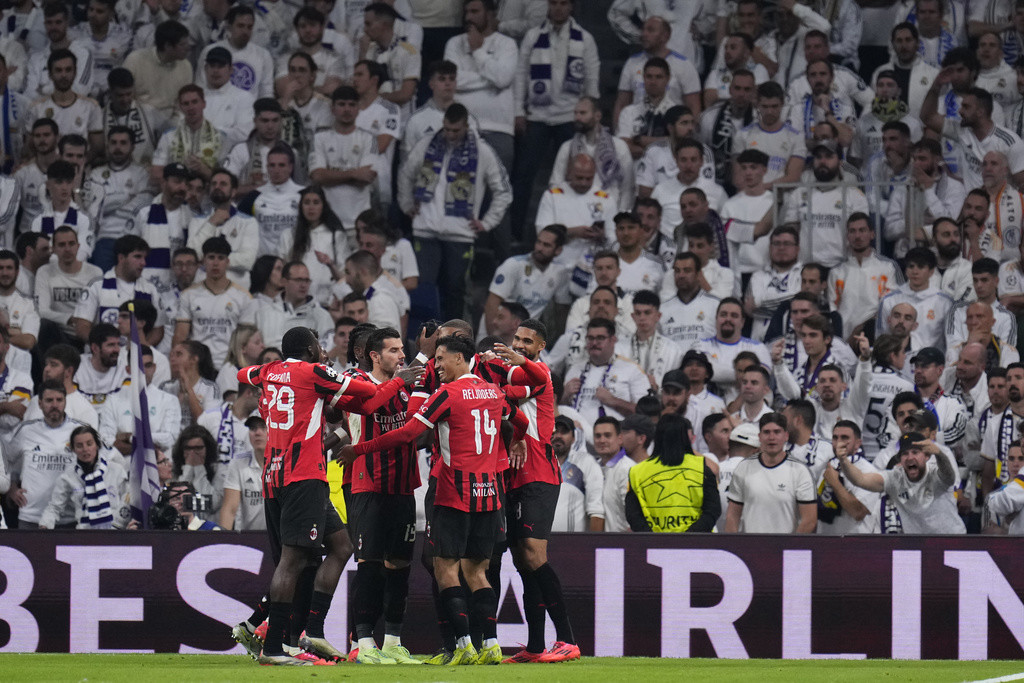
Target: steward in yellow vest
(673,491)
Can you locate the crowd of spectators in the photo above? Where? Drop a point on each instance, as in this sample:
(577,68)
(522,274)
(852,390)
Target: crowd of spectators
(803,248)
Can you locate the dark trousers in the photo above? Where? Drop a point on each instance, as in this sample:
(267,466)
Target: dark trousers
(445,265)
(535,154)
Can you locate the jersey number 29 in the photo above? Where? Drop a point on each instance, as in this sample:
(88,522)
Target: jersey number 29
(282,399)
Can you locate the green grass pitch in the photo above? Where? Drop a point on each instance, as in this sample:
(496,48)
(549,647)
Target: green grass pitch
(217,668)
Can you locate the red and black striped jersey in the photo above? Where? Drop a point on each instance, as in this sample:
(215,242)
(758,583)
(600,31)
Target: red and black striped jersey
(346,472)
(466,414)
(391,471)
(539,407)
(292,402)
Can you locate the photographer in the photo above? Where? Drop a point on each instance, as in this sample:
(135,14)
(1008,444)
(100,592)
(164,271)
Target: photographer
(179,509)
(92,490)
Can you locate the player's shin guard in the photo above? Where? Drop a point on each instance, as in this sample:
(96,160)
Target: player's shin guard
(276,628)
(485,608)
(444,624)
(533,606)
(369,599)
(319,606)
(551,589)
(455,605)
(301,604)
(396,595)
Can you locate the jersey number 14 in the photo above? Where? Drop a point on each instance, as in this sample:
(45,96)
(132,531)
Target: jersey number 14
(483,424)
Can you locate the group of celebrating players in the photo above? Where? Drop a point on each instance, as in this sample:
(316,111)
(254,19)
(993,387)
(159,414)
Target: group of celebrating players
(493,485)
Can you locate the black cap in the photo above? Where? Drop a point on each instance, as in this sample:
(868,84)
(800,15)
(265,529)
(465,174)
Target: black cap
(177,170)
(830,145)
(220,56)
(640,424)
(928,356)
(699,357)
(675,378)
(564,422)
(907,442)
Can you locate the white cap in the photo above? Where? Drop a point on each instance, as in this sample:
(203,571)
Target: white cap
(746,433)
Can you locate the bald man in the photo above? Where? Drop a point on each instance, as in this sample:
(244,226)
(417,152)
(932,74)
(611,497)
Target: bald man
(579,204)
(1002,234)
(966,379)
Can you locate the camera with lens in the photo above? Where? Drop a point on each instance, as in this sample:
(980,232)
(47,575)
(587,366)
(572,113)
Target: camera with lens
(177,497)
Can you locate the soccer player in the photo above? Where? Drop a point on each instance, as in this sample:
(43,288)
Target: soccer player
(533,496)
(383,512)
(299,513)
(466,520)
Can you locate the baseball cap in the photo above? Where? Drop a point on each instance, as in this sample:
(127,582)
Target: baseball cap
(676,378)
(177,170)
(219,56)
(928,356)
(639,424)
(907,442)
(830,145)
(565,423)
(747,434)
(694,356)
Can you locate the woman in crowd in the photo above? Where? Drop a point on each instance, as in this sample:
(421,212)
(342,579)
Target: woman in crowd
(320,241)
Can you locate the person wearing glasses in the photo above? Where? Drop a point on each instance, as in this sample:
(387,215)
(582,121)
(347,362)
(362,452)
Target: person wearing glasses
(604,383)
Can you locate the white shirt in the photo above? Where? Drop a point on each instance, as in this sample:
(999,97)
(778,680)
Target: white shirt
(38,456)
(77,220)
(276,209)
(843,523)
(972,150)
(100,303)
(244,475)
(740,213)
(885,384)
(326,241)
(58,293)
(213,317)
(381,117)
(933,308)
(856,288)
(521,280)
(21,312)
(115,196)
(686,323)
(1009,500)
(116,415)
(721,355)
(1001,81)
(622,377)
(17,387)
(926,506)
(76,406)
(345,152)
(699,406)
(229,109)
(252,68)
(98,385)
(780,145)
(403,61)
(616,483)
(671,189)
(564,205)
(720,78)
(560,110)
(683,77)
(242,234)
(822,217)
(485,77)
(771,496)
(655,356)
(277,319)
(83,116)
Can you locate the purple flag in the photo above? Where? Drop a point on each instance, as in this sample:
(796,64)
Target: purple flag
(144,478)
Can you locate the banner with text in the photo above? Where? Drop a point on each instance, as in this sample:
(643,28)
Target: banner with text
(628,594)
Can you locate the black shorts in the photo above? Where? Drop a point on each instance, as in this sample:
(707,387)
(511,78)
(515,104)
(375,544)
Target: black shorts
(301,514)
(455,534)
(383,526)
(531,511)
(346,494)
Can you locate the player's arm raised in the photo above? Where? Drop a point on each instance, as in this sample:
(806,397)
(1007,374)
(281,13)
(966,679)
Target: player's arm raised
(405,379)
(524,372)
(386,441)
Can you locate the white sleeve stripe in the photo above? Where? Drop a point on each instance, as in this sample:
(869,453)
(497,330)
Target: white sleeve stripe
(424,420)
(345,381)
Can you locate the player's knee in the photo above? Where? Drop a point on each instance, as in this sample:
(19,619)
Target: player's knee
(534,553)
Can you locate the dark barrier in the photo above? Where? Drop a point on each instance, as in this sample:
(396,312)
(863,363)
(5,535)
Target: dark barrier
(650,595)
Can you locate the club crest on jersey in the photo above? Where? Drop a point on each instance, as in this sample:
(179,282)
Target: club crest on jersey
(931,314)
(314,533)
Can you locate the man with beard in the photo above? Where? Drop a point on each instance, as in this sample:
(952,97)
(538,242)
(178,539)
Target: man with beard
(275,204)
(819,349)
(31,176)
(533,496)
(115,192)
(943,194)
(822,105)
(98,375)
(72,112)
(659,164)
(614,162)
(909,70)
(980,324)
(689,316)
(891,166)
(582,207)
(59,207)
(822,214)
(932,304)
(604,383)
(775,284)
(123,109)
(918,486)
(974,130)
(985,274)
(241,231)
(952,270)
(40,79)
(20,311)
(683,84)
(771,134)
(703,240)
(1001,431)
(720,122)
(737,53)
(164,225)
(606,274)
(728,342)
(532,280)
(1001,235)
(842,507)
